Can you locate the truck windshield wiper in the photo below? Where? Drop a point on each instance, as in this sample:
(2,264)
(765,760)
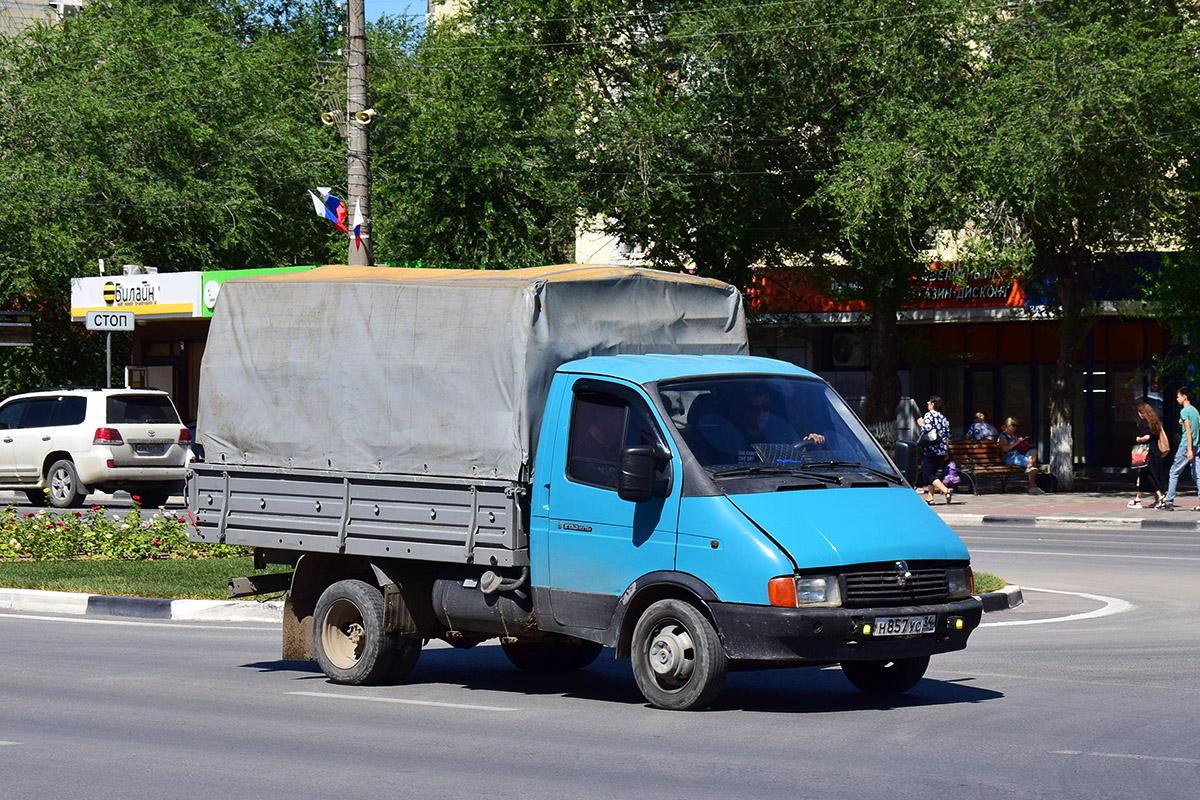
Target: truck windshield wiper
(888,476)
(750,470)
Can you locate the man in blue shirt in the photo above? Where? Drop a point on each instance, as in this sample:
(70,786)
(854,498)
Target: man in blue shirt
(1189,444)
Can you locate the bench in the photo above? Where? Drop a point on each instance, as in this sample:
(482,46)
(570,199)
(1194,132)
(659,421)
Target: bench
(978,459)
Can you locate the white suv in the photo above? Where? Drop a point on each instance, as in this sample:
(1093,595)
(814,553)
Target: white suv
(57,445)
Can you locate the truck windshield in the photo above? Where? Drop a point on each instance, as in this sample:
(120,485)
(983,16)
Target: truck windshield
(778,422)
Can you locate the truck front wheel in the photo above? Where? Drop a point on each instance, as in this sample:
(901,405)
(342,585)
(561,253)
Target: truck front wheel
(678,661)
(886,677)
(351,644)
(551,656)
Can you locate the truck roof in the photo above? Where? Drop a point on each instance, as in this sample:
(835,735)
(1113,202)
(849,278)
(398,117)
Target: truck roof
(429,371)
(642,369)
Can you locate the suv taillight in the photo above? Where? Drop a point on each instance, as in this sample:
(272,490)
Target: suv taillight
(185,436)
(108,436)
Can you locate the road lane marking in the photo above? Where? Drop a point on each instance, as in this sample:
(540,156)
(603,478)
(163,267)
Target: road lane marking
(403,701)
(1112,605)
(1134,756)
(1122,556)
(8,744)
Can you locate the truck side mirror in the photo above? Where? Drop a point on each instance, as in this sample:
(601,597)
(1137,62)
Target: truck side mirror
(908,459)
(635,478)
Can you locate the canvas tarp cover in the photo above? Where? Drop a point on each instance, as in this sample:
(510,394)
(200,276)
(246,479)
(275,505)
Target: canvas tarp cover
(438,372)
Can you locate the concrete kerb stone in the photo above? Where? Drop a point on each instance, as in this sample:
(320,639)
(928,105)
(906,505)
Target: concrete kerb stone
(46,602)
(40,601)
(1002,599)
(1067,521)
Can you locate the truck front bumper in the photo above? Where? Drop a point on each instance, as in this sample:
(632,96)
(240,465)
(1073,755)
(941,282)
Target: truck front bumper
(792,635)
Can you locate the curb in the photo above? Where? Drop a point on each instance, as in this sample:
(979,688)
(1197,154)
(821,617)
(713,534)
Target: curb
(1002,599)
(41,601)
(1059,521)
(271,611)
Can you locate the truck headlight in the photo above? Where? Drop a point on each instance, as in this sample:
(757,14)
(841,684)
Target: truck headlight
(960,582)
(814,592)
(820,592)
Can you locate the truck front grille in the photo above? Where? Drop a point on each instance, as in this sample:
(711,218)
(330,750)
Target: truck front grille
(891,587)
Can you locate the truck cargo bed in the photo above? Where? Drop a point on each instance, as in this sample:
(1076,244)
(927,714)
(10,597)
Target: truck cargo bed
(456,520)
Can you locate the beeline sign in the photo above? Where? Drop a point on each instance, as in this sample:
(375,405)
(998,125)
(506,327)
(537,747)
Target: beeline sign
(123,294)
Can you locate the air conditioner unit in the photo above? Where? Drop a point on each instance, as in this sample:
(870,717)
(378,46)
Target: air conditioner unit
(848,351)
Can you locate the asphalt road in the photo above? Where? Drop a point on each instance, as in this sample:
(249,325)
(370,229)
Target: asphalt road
(1068,696)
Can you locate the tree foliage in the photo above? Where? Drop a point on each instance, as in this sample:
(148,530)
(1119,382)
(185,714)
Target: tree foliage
(180,135)
(1080,115)
(475,164)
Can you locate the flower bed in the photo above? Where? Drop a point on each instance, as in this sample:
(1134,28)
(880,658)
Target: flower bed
(98,534)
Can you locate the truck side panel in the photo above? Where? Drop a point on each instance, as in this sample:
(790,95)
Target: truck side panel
(391,516)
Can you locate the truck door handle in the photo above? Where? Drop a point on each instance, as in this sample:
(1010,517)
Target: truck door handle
(45,438)
(8,440)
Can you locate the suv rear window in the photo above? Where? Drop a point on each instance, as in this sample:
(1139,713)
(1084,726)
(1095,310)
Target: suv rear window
(140,408)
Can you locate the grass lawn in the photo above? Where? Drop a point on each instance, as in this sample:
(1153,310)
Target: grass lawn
(194,578)
(983,583)
(205,579)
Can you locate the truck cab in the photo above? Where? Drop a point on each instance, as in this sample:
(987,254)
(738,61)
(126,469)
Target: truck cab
(737,498)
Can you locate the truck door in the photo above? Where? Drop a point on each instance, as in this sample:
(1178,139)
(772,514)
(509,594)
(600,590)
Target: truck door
(598,544)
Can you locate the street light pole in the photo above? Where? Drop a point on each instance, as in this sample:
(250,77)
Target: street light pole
(358,118)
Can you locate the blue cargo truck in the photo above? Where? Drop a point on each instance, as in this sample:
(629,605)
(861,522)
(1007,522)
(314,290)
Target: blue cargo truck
(566,459)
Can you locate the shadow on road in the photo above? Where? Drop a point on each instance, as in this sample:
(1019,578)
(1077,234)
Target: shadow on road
(790,691)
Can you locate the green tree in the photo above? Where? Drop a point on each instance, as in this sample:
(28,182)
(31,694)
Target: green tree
(1074,116)
(180,135)
(474,157)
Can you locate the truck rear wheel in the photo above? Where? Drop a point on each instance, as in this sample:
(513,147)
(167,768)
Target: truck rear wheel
(885,677)
(678,661)
(551,656)
(351,644)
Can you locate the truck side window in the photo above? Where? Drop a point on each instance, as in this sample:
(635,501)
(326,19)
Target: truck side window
(597,434)
(601,426)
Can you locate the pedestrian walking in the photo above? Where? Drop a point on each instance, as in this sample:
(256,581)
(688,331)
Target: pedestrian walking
(1189,443)
(935,433)
(1151,447)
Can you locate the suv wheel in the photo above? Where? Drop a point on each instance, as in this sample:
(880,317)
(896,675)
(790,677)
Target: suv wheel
(63,481)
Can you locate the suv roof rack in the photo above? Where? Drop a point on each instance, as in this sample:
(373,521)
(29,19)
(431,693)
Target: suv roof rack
(68,389)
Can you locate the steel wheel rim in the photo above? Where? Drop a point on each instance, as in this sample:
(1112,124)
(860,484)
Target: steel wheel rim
(343,635)
(671,654)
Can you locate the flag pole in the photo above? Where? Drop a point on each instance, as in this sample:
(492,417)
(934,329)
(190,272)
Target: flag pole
(358,118)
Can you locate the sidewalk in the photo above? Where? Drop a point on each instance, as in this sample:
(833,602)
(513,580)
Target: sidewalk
(1094,504)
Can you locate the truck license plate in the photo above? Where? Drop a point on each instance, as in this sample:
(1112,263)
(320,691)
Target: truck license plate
(905,626)
(156,449)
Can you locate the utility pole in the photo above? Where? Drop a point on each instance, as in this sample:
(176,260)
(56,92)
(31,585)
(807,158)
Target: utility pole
(358,118)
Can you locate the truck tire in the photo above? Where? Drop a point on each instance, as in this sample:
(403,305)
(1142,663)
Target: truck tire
(351,644)
(885,677)
(553,656)
(678,661)
(63,481)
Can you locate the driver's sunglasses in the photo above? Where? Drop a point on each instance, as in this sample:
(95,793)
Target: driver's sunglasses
(758,406)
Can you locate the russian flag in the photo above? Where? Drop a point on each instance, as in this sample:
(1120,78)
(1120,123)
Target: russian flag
(358,221)
(330,207)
